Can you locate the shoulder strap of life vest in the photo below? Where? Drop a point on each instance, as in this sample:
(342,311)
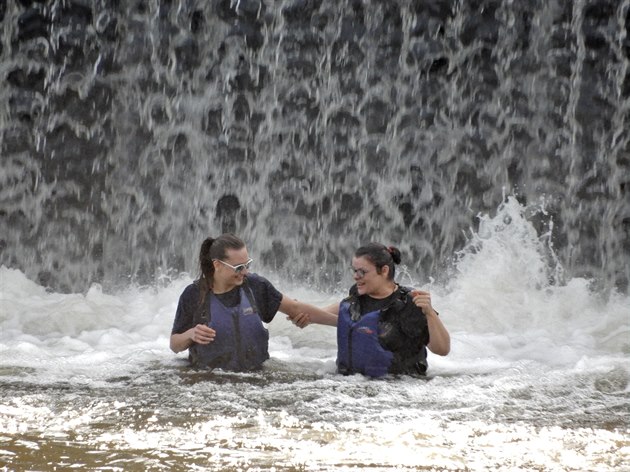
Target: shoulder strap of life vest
(250,296)
(202,313)
(355,308)
(403,292)
(400,300)
(353,302)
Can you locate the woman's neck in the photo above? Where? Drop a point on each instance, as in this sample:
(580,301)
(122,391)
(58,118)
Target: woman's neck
(385,291)
(219,287)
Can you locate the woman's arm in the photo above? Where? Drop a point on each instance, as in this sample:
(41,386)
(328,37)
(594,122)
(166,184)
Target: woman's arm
(184,333)
(302,313)
(200,334)
(439,339)
(181,341)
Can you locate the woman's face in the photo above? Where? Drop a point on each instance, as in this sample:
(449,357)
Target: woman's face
(365,276)
(232,269)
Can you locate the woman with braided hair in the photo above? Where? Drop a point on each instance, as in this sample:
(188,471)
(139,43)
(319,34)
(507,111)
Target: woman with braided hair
(382,327)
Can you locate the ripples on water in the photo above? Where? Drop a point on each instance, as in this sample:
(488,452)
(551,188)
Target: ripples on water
(537,379)
(171,418)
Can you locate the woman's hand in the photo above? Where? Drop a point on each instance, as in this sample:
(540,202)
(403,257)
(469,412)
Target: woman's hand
(439,339)
(422,299)
(202,334)
(301,320)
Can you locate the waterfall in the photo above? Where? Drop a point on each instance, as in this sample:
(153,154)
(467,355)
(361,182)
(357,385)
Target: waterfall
(130,131)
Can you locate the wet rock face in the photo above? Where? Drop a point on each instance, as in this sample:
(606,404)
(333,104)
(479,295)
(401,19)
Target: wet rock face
(129,131)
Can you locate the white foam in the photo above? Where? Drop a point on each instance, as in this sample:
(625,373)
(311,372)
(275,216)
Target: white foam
(502,307)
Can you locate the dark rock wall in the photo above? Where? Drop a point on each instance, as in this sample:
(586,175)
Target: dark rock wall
(130,130)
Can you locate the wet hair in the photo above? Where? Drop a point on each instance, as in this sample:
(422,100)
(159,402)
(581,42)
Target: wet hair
(214,248)
(380,256)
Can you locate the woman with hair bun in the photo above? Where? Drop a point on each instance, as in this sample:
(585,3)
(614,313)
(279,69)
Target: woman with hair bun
(220,316)
(382,327)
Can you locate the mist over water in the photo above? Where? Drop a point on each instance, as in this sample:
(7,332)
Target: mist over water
(488,140)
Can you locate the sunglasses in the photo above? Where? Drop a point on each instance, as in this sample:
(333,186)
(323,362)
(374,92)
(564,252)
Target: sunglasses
(237,268)
(360,272)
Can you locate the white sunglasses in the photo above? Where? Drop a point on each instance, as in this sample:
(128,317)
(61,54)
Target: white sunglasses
(237,268)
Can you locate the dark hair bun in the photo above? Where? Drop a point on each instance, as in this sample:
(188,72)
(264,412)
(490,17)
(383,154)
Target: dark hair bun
(395,253)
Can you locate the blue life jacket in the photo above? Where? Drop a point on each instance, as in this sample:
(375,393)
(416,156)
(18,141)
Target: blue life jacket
(358,346)
(241,342)
(377,343)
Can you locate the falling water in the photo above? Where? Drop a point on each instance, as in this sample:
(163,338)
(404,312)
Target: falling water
(132,130)
(488,139)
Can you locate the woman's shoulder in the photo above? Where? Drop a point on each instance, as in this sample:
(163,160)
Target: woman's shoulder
(191,290)
(400,303)
(256,279)
(259,283)
(404,289)
(268,298)
(404,294)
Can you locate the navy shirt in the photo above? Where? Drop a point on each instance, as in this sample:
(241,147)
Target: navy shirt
(267,298)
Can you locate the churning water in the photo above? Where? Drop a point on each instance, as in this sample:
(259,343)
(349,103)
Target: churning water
(488,139)
(537,379)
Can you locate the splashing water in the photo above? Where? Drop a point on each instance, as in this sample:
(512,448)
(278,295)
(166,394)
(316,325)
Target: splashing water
(129,131)
(537,378)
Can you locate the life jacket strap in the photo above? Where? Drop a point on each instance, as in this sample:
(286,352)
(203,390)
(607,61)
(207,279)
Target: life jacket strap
(355,309)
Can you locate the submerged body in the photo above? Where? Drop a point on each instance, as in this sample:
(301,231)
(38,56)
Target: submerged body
(383,328)
(376,337)
(237,316)
(220,317)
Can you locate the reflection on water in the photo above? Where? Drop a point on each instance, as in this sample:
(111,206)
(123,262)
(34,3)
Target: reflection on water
(537,379)
(170,417)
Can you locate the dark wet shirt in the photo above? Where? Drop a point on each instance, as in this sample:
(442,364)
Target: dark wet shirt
(267,299)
